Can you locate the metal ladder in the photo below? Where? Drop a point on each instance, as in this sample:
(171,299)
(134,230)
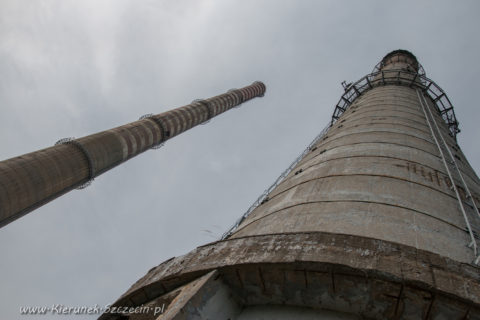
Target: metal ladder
(425,108)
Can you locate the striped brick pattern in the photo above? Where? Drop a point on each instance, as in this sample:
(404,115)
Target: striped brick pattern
(31,180)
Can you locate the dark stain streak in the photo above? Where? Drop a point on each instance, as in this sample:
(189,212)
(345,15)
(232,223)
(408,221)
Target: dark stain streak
(237,272)
(262,281)
(399,298)
(333,281)
(429,310)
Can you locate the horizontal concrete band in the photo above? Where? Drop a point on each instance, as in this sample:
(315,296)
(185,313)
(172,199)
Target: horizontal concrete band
(402,102)
(352,183)
(389,167)
(374,206)
(425,170)
(374,259)
(382,125)
(382,111)
(378,137)
(382,221)
(31,180)
(399,119)
(378,129)
(424,156)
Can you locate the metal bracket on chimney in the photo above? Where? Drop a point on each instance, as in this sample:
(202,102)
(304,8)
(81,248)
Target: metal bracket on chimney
(91,168)
(159,124)
(209,109)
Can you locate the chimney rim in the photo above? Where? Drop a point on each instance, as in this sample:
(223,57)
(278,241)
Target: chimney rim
(403,52)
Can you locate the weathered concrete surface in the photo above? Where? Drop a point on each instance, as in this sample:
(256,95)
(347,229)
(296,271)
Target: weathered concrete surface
(379,271)
(31,180)
(367,223)
(205,298)
(278,312)
(377,173)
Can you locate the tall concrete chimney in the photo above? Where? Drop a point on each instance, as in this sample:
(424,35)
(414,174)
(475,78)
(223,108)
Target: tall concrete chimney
(31,180)
(377,219)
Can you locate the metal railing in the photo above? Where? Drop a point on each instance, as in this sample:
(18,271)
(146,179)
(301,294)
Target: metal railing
(399,77)
(381,64)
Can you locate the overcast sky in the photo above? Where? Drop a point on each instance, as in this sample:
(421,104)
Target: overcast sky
(72,68)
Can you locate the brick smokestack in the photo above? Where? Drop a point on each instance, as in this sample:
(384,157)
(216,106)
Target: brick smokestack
(31,180)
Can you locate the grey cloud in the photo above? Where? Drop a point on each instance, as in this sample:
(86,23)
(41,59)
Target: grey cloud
(73,68)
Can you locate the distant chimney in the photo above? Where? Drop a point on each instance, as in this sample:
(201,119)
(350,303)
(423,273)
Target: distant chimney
(31,180)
